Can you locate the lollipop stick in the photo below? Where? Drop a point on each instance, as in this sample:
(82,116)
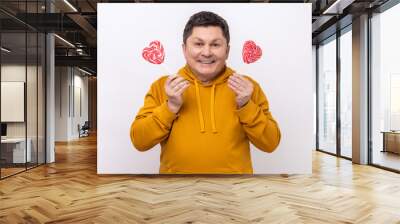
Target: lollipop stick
(164,67)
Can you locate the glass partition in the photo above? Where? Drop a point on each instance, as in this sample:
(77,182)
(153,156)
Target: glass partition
(32,95)
(13,109)
(22,63)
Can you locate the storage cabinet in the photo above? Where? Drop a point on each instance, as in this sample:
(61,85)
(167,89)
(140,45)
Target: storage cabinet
(391,141)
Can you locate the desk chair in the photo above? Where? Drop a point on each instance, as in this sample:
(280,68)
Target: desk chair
(84,130)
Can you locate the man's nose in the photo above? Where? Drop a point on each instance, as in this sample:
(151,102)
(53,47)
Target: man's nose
(206,51)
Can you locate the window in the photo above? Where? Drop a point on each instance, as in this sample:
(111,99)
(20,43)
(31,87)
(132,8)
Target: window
(327,96)
(385,88)
(346,93)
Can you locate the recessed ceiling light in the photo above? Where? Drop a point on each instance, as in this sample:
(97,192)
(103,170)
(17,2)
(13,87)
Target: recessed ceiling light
(70,5)
(84,71)
(337,7)
(5,50)
(64,40)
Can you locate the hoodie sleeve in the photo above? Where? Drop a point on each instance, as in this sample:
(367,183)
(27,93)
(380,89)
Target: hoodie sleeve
(153,121)
(258,123)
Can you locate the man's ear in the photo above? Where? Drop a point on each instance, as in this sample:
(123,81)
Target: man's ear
(184,50)
(227,51)
(183,47)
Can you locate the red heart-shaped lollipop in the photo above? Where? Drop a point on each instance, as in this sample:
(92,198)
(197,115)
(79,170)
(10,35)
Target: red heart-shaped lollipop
(251,52)
(154,53)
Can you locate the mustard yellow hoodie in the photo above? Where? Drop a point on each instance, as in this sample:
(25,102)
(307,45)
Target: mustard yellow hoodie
(209,134)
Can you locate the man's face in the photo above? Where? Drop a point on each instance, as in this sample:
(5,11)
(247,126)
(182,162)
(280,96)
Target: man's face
(206,51)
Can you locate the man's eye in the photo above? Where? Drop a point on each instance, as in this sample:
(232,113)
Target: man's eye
(198,44)
(215,45)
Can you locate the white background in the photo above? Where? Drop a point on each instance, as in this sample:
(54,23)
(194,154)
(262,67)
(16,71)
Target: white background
(284,72)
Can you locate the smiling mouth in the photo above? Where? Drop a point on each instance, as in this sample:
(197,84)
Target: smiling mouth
(206,62)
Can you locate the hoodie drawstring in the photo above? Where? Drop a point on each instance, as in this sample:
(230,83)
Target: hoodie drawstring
(200,113)
(214,129)
(201,120)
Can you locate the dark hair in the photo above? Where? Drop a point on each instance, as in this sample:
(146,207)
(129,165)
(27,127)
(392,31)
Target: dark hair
(206,18)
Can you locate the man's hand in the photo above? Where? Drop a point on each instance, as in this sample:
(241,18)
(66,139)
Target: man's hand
(242,87)
(174,87)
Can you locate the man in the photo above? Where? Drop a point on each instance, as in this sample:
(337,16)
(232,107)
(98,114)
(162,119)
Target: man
(205,115)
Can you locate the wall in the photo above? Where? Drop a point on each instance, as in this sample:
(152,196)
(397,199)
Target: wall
(71,102)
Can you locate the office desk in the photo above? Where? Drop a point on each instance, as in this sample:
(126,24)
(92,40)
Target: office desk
(391,141)
(13,150)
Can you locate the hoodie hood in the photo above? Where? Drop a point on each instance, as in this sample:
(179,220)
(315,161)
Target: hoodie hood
(187,73)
